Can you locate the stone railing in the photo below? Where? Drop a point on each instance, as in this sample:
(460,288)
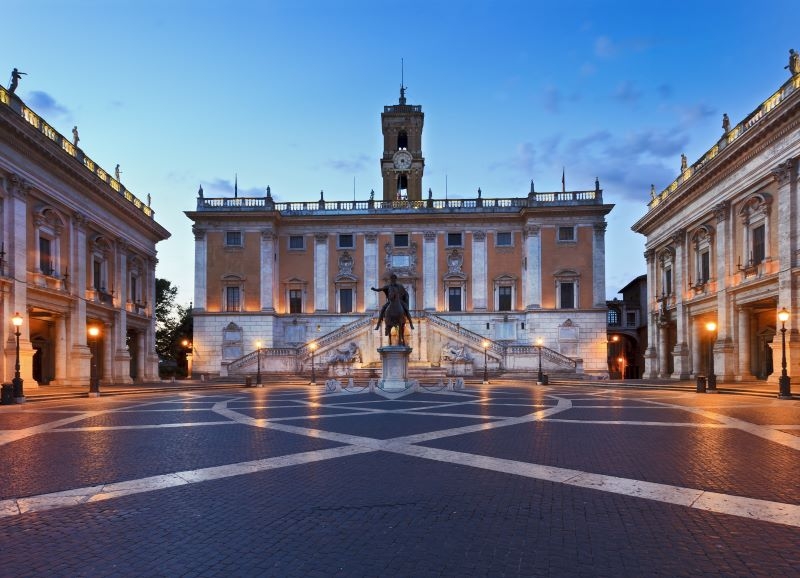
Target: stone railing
(478,205)
(550,355)
(14,103)
(728,138)
(475,338)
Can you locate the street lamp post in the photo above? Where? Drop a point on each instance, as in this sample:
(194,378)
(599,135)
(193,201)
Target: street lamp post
(187,352)
(313,347)
(784,382)
(712,378)
(258,370)
(485,359)
(539,376)
(19,394)
(94,379)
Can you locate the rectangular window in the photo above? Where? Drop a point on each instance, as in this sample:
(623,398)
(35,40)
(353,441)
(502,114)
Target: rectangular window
(345,300)
(346,241)
(759,244)
(295,301)
(705,267)
(567,291)
(233,238)
(566,233)
(297,242)
(630,318)
(401,240)
(97,274)
(504,299)
(503,239)
(133,289)
(45,256)
(668,281)
(454,298)
(233,299)
(454,240)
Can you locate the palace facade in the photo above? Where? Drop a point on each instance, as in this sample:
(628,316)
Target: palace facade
(506,282)
(723,252)
(78,252)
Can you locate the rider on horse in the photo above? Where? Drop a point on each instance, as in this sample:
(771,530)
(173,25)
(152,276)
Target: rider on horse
(393,286)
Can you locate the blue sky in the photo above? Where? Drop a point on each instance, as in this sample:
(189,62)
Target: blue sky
(289,94)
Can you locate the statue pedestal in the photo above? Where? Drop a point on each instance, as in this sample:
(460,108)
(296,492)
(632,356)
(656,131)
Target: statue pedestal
(394,359)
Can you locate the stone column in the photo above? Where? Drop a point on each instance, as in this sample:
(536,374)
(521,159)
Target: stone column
(430,274)
(267,269)
(533,267)
(680,352)
(79,368)
(141,371)
(697,343)
(371,273)
(479,271)
(60,349)
(599,265)
(200,272)
(650,356)
(108,351)
(743,342)
(725,363)
(320,272)
(788,225)
(122,357)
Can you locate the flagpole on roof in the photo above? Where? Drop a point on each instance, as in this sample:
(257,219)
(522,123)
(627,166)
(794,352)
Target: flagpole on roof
(563,181)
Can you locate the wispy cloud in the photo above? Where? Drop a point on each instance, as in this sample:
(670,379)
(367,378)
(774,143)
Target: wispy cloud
(626,92)
(45,104)
(351,165)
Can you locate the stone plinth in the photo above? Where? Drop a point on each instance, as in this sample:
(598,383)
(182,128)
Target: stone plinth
(394,359)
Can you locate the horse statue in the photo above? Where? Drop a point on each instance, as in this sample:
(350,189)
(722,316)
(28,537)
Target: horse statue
(395,310)
(395,315)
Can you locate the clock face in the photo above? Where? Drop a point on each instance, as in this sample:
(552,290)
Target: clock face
(402,160)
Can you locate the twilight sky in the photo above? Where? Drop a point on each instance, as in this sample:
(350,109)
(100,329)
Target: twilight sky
(289,94)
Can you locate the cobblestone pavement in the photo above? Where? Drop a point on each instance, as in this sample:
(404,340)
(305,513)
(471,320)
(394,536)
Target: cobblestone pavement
(491,481)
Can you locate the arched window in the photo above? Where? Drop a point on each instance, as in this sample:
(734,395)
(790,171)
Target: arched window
(402,140)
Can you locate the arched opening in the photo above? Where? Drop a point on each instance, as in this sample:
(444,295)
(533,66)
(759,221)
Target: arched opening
(402,187)
(402,140)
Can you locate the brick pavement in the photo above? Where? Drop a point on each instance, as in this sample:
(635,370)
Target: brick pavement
(499,480)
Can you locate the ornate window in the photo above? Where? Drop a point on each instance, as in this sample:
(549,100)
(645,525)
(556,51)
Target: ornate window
(666,261)
(232,293)
(700,268)
(455,282)
(505,292)
(345,283)
(295,293)
(566,289)
(100,257)
(49,224)
(755,217)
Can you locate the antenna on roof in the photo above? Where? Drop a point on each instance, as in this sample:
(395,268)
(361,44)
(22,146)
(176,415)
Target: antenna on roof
(236,186)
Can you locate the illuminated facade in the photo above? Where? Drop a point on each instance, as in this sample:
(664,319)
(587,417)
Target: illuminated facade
(509,270)
(723,246)
(78,251)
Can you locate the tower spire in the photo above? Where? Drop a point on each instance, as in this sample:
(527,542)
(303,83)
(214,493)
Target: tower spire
(402,85)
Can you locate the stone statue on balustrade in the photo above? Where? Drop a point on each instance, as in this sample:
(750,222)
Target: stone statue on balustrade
(794,62)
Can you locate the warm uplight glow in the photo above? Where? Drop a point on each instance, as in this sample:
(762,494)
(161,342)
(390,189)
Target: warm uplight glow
(312,346)
(711,326)
(485,344)
(258,345)
(539,341)
(615,338)
(94,331)
(185,343)
(783,315)
(16,320)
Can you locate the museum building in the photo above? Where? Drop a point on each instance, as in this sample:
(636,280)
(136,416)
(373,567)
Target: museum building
(723,253)
(508,283)
(77,261)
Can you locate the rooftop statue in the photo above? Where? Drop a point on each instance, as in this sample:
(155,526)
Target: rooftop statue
(15,77)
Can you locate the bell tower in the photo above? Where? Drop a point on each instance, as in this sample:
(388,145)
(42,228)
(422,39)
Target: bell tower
(402,163)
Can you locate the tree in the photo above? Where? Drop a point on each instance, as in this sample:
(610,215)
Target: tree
(166,318)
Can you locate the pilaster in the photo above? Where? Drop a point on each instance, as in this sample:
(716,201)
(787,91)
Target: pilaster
(429,270)
(479,271)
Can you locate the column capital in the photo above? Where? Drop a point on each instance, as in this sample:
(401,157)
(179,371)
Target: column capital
(429,236)
(199,233)
(532,230)
(479,236)
(321,237)
(783,172)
